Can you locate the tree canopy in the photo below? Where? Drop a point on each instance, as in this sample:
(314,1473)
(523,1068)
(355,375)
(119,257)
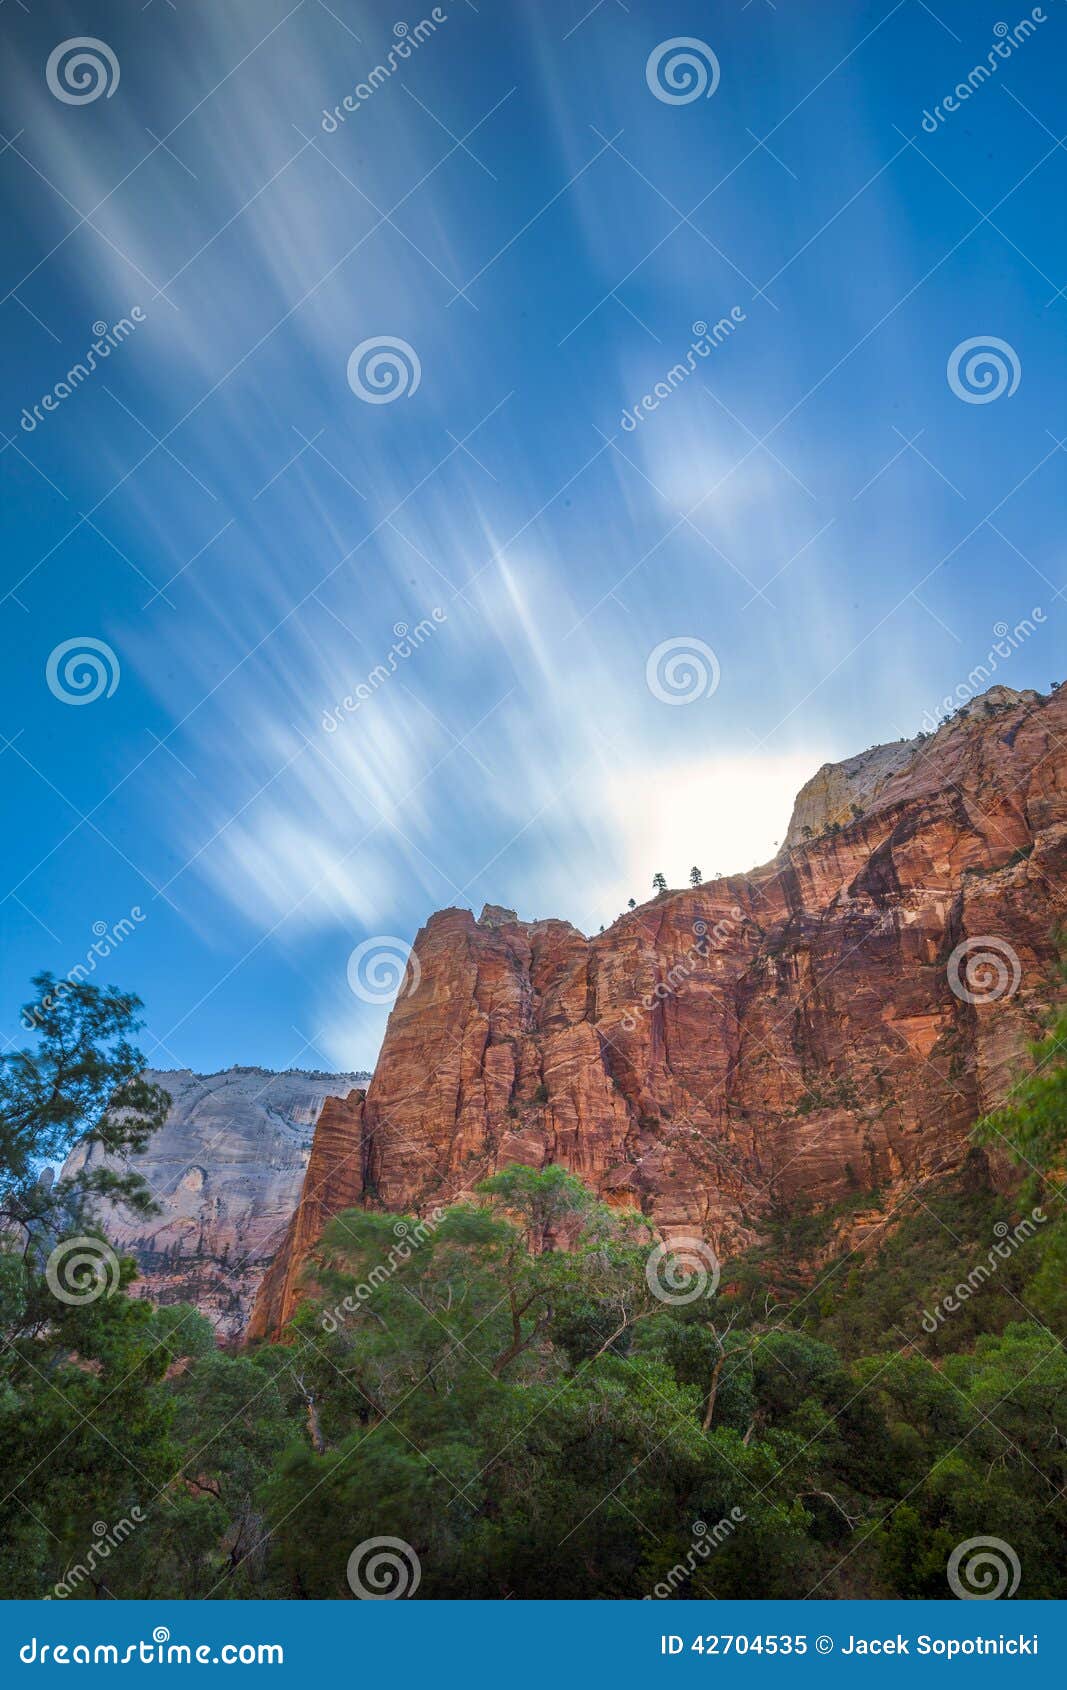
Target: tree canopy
(510,1387)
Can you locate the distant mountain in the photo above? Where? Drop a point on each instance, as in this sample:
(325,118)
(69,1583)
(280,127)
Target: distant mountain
(227,1170)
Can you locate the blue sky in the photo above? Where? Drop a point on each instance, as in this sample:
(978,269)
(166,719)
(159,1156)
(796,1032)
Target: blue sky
(215,503)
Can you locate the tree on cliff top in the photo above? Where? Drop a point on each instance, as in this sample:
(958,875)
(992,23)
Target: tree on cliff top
(659,884)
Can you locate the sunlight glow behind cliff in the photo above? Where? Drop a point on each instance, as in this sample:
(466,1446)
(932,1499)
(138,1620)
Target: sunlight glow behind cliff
(256,534)
(723,814)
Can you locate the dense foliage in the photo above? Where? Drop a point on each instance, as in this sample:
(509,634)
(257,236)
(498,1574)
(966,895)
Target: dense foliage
(503,1387)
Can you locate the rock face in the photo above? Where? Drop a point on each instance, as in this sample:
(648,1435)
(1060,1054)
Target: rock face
(334,1181)
(829,1024)
(227,1170)
(841,792)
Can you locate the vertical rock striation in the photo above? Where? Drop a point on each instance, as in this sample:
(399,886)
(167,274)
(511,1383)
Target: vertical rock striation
(722,1052)
(334,1181)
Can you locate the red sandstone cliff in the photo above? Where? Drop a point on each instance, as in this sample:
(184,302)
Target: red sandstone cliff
(333,1181)
(719,1051)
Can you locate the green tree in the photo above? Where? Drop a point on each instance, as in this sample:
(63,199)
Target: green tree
(81,1083)
(488,1399)
(85,1430)
(84,1426)
(1031,1127)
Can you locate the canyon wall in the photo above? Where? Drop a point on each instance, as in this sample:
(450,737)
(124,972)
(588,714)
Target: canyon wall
(227,1171)
(830,1024)
(334,1181)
